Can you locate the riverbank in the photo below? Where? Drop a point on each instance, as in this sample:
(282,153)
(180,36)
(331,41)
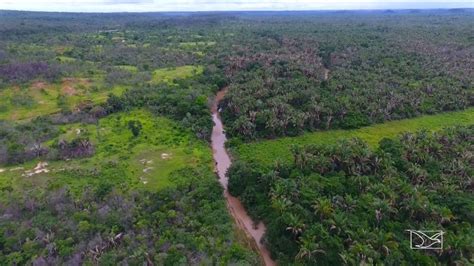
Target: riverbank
(223,162)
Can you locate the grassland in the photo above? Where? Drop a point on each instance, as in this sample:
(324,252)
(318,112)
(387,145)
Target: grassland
(122,160)
(167,75)
(191,45)
(41,98)
(268,151)
(132,69)
(65,59)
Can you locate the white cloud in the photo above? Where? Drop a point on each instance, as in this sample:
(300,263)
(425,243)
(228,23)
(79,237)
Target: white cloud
(219,5)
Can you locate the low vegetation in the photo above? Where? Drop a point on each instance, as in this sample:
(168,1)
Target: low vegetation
(132,194)
(171,74)
(267,152)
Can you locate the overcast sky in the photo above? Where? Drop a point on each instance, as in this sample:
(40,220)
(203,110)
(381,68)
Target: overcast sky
(220,5)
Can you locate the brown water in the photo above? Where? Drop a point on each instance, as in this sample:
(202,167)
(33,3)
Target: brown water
(223,162)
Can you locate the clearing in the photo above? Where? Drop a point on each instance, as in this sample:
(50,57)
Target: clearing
(167,75)
(122,160)
(267,151)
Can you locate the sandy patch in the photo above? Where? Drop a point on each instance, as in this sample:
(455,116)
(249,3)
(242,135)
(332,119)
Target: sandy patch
(2,170)
(68,90)
(39,85)
(143,180)
(40,168)
(146,170)
(145,161)
(69,85)
(166,156)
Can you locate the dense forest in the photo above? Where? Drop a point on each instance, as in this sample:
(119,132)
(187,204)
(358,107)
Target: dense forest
(105,130)
(347,72)
(183,225)
(346,204)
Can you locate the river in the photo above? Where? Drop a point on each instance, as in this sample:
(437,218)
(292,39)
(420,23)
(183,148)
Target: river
(223,162)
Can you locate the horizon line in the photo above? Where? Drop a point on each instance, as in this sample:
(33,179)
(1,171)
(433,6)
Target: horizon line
(237,10)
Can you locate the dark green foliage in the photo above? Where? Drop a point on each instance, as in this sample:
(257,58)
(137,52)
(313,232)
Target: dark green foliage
(187,224)
(286,73)
(345,204)
(346,71)
(77,148)
(135,127)
(185,102)
(23,142)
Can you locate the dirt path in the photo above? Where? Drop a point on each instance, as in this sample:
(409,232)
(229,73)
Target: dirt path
(223,162)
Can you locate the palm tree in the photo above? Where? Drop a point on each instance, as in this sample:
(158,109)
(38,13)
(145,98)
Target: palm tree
(385,242)
(308,248)
(281,204)
(323,208)
(295,224)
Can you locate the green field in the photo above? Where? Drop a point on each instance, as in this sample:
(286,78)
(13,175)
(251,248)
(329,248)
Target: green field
(65,59)
(129,68)
(146,161)
(190,45)
(167,75)
(267,151)
(42,98)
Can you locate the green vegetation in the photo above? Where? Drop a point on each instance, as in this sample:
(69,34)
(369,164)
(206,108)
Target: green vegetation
(339,71)
(168,75)
(65,59)
(145,161)
(191,45)
(105,129)
(160,181)
(344,203)
(41,98)
(128,68)
(102,159)
(266,152)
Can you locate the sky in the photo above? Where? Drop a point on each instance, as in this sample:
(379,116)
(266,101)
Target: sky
(221,5)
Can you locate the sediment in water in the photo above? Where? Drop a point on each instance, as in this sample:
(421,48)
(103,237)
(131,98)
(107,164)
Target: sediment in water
(236,209)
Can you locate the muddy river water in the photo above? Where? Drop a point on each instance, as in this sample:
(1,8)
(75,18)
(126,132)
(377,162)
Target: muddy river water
(223,162)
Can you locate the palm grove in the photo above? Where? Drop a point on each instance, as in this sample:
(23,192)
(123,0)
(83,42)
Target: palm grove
(104,98)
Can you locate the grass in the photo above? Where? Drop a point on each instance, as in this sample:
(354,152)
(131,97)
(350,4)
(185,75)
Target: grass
(167,75)
(65,59)
(40,101)
(143,162)
(129,68)
(190,45)
(41,98)
(267,151)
